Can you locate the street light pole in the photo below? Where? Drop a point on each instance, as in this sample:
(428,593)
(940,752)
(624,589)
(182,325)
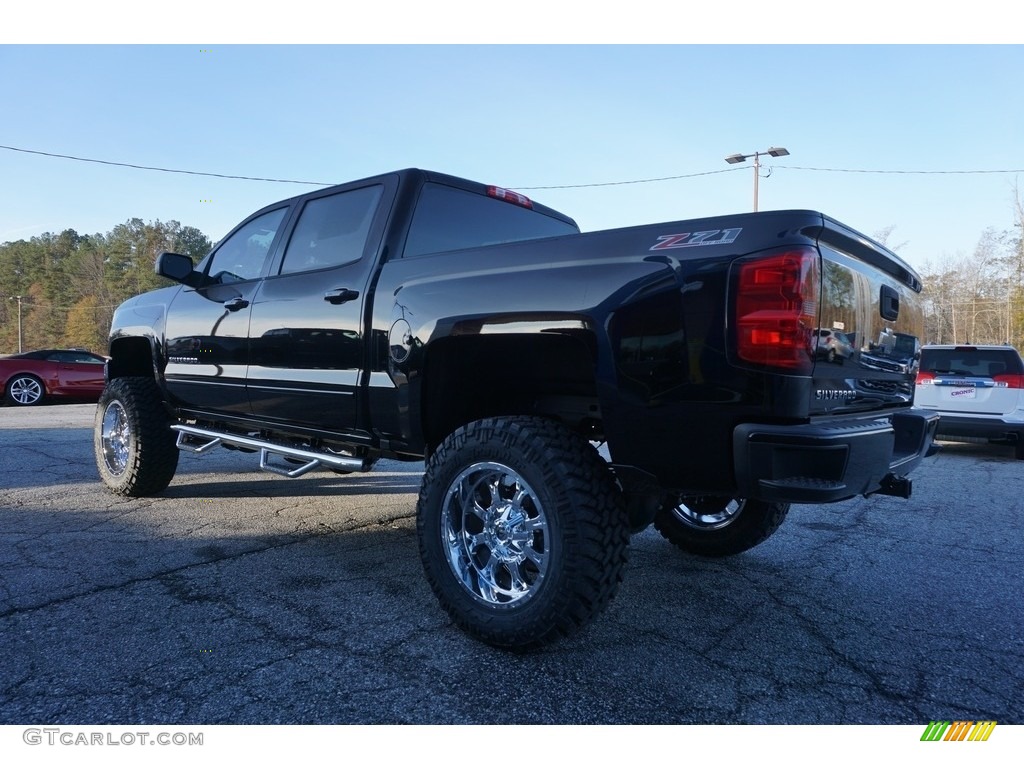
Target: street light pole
(773,151)
(18,299)
(757,176)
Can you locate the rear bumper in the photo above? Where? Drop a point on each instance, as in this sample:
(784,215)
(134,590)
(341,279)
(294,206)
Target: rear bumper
(994,428)
(818,463)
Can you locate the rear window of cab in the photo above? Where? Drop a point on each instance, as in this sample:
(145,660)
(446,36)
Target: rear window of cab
(449,219)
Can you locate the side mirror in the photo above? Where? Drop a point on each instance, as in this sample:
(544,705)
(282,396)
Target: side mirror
(177,268)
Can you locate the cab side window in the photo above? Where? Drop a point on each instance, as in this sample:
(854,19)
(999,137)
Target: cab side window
(331,231)
(74,356)
(241,256)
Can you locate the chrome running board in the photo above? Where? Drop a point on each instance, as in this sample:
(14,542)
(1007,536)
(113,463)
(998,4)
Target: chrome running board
(312,459)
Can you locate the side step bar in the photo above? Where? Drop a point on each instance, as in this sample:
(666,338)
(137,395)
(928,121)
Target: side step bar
(312,459)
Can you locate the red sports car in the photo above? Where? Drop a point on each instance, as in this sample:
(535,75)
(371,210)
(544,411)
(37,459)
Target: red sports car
(71,374)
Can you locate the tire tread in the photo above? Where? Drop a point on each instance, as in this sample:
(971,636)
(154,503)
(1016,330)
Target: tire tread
(154,459)
(756,522)
(595,539)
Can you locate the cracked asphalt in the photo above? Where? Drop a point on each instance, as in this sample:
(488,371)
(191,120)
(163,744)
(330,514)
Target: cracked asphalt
(241,597)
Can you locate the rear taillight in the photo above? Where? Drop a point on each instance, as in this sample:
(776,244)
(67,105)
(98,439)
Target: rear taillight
(924,377)
(777,309)
(1010,380)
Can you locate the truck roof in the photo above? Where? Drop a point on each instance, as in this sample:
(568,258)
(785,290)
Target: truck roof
(420,176)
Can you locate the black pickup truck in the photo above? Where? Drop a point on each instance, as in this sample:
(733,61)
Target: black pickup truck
(564,389)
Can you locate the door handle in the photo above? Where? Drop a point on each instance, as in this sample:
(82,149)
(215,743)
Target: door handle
(341,295)
(235,304)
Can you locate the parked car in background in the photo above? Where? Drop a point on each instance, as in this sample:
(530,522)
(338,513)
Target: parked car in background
(977,390)
(832,345)
(30,378)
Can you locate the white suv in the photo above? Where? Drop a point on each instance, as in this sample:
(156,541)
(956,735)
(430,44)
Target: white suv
(977,390)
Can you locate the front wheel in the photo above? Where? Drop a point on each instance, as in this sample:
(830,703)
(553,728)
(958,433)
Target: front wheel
(715,526)
(25,390)
(522,530)
(135,450)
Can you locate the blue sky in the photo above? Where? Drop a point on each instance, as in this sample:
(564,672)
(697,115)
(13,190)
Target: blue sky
(521,116)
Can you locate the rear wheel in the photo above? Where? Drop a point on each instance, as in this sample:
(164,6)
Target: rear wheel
(522,530)
(135,450)
(1018,448)
(25,389)
(717,526)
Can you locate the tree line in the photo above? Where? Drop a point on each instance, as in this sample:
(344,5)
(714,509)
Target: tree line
(66,286)
(69,284)
(978,298)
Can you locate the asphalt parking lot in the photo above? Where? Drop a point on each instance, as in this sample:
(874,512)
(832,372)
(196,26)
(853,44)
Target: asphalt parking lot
(242,597)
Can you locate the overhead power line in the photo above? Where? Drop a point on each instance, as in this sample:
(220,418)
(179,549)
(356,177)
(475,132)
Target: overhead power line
(773,165)
(164,170)
(522,187)
(867,170)
(634,181)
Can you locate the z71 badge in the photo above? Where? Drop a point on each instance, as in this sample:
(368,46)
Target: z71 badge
(690,239)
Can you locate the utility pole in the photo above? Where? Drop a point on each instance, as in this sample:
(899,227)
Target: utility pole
(18,299)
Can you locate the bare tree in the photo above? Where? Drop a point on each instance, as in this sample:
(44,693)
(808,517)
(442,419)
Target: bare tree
(884,236)
(976,299)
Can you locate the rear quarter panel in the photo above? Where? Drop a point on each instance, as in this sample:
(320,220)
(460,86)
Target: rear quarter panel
(654,300)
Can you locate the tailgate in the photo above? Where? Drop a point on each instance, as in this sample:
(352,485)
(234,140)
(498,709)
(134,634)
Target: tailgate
(980,395)
(871,320)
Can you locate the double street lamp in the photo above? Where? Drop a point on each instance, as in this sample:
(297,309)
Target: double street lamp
(773,151)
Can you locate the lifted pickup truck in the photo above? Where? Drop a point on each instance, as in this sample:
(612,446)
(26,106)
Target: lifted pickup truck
(418,316)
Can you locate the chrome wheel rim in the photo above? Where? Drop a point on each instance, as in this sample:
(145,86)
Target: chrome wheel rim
(708,513)
(26,391)
(495,534)
(115,438)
